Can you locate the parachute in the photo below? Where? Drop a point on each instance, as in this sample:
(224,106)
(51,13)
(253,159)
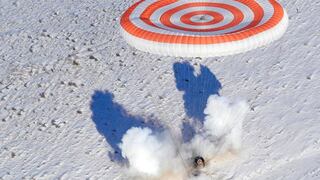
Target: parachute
(202,28)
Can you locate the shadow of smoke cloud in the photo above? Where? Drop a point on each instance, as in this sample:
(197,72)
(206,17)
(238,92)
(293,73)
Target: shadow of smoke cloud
(112,121)
(197,89)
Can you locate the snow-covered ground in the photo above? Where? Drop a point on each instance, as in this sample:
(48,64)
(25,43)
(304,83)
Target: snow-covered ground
(70,87)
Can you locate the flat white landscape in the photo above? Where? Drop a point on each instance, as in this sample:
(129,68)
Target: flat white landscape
(70,87)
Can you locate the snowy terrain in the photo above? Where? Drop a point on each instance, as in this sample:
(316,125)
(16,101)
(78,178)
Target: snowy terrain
(70,87)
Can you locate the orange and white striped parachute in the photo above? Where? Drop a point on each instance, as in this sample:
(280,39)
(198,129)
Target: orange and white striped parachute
(202,28)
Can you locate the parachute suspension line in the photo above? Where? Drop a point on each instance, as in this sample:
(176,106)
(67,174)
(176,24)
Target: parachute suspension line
(186,75)
(187,78)
(190,75)
(204,82)
(204,88)
(174,139)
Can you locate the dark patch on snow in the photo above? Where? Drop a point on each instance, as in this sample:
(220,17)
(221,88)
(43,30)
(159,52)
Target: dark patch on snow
(112,121)
(197,89)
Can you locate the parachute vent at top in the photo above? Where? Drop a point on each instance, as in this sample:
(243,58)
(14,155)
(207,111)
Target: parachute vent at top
(202,28)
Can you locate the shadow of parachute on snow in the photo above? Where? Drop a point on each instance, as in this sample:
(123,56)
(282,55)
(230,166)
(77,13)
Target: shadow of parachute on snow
(112,121)
(197,88)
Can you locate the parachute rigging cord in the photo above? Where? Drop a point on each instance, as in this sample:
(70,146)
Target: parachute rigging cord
(190,71)
(174,138)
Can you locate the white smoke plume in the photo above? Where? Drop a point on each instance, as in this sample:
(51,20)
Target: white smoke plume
(151,154)
(156,156)
(222,128)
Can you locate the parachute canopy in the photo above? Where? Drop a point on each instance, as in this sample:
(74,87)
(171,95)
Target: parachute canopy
(202,28)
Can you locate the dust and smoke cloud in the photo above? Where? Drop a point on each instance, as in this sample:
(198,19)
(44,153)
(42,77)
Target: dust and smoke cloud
(154,155)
